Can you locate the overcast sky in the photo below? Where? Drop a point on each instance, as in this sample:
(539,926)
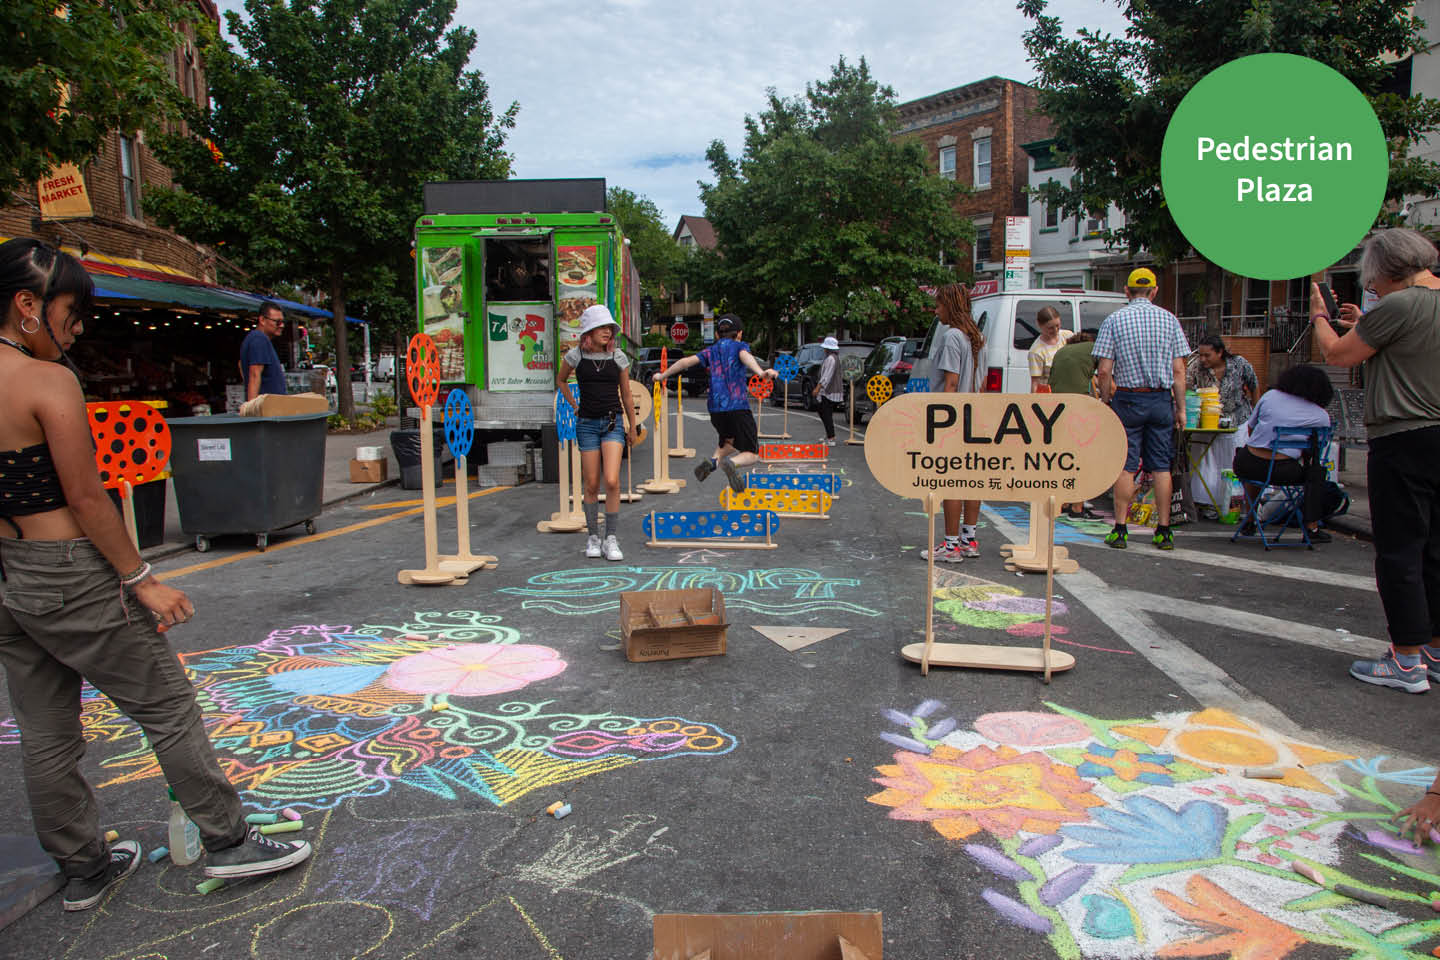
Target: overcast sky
(635,90)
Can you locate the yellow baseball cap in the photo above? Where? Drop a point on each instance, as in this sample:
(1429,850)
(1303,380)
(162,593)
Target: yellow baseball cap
(1141,277)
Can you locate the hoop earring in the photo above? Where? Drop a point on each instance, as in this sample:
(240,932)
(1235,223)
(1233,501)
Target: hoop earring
(37,325)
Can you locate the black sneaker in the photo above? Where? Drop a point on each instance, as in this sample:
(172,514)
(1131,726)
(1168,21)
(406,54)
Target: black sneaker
(255,856)
(737,479)
(1118,537)
(1320,536)
(703,469)
(82,893)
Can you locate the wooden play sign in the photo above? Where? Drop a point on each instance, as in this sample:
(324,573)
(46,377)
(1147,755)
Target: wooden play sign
(1046,449)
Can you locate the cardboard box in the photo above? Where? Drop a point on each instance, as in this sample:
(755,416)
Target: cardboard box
(285,405)
(369,471)
(807,935)
(672,624)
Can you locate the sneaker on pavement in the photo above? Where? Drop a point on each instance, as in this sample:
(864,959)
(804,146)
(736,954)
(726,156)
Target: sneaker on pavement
(1389,672)
(592,547)
(1163,539)
(255,856)
(703,469)
(970,548)
(612,549)
(829,441)
(1430,657)
(82,893)
(737,477)
(1320,536)
(1117,538)
(945,553)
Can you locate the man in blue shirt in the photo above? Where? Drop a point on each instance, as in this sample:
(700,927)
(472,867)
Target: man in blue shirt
(259,363)
(727,359)
(1141,374)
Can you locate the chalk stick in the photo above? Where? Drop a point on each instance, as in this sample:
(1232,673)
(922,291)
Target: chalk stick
(439,706)
(260,818)
(209,886)
(1265,773)
(290,826)
(558,810)
(1305,870)
(111,836)
(1364,896)
(158,854)
(289,814)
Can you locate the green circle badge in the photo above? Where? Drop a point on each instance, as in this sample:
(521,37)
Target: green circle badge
(1274,166)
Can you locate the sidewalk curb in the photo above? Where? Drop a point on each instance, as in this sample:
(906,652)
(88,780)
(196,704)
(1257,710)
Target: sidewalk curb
(1358,529)
(165,552)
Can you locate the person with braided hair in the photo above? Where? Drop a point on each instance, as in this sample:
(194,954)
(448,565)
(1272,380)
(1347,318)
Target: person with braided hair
(78,603)
(958,343)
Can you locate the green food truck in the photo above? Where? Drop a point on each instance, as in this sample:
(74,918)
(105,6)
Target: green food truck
(504,268)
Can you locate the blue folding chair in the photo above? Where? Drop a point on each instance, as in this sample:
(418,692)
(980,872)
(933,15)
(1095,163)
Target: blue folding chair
(1288,506)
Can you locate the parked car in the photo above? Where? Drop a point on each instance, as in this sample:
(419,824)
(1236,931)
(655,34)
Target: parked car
(646,364)
(811,355)
(385,368)
(893,357)
(1008,322)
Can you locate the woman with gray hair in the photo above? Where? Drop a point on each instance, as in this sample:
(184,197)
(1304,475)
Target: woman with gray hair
(1399,344)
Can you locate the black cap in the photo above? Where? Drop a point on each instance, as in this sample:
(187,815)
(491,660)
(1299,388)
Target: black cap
(727,323)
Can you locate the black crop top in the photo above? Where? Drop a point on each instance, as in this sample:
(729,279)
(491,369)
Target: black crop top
(28,482)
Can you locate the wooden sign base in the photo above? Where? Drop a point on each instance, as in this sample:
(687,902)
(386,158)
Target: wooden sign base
(680,450)
(1029,557)
(432,574)
(462,562)
(569,518)
(982,656)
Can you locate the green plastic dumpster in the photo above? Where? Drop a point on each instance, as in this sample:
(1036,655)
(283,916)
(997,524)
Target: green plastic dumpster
(247,475)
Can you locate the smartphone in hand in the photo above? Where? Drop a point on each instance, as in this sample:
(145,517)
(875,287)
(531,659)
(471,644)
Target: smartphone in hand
(1331,307)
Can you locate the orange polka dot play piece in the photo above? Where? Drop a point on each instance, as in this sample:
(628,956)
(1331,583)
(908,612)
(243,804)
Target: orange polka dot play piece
(132,442)
(760,387)
(422,370)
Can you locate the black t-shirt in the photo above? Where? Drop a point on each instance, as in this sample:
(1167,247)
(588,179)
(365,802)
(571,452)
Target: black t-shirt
(599,377)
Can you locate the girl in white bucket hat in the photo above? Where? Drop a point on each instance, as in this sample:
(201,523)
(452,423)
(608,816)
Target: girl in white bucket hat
(603,374)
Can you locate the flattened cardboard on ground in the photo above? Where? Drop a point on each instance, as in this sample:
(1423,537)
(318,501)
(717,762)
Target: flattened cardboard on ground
(794,638)
(672,624)
(805,935)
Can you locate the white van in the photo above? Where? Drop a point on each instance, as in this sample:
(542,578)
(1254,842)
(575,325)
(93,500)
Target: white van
(1008,322)
(385,367)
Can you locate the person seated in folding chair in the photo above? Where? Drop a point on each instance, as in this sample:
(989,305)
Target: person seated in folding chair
(1297,401)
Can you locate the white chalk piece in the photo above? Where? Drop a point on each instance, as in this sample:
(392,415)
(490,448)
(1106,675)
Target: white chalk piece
(158,854)
(559,810)
(1265,773)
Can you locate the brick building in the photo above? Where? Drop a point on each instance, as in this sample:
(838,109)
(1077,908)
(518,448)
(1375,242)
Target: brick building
(975,134)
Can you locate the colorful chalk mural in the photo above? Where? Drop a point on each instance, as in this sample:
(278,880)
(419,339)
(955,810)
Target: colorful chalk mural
(586,591)
(1134,838)
(315,715)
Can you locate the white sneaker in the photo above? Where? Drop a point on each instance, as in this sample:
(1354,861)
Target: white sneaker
(830,442)
(592,547)
(970,548)
(612,549)
(945,554)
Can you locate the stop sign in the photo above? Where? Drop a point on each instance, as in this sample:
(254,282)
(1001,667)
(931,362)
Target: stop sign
(679,330)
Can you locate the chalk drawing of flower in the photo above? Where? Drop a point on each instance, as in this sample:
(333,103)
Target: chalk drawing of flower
(1150,832)
(1029,728)
(474,670)
(1226,926)
(1102,761)
(1412,777)
(1217,738)
(999,791)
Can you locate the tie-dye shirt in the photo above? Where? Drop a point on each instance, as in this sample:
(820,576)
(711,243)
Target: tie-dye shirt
(728,376)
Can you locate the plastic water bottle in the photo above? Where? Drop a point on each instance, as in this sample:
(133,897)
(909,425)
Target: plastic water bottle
(185,846)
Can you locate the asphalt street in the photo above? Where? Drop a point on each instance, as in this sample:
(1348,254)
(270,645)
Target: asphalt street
(423,731)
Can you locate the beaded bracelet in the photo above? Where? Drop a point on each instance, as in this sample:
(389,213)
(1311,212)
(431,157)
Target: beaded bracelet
(138,576)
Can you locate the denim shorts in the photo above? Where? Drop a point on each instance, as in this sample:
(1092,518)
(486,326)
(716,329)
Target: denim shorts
(1149,420)
(590,432)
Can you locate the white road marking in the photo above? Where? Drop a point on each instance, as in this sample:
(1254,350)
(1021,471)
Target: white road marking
(1276,568)
(1324,638)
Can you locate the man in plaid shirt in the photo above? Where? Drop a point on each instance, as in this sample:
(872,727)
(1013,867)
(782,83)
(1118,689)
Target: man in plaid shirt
(1141,374)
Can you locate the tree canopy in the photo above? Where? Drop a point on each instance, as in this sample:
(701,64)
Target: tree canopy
(826,214)
(656,255)
(1110,99)
(328,121)
(110,54)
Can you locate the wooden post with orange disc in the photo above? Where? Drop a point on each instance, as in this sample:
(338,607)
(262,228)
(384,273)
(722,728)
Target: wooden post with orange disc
(1036,448)
(132,446)
(422,368)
